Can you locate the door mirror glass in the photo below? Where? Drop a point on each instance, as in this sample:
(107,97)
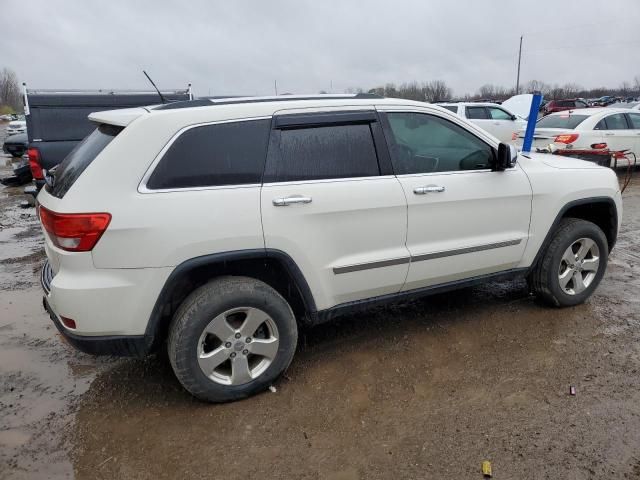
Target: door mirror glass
(507,157)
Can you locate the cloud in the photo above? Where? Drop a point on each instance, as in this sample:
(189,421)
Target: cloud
(241,47)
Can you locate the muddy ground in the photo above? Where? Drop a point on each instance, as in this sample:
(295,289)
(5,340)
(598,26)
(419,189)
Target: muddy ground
(426,389)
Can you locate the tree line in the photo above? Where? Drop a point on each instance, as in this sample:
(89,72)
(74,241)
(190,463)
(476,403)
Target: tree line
(10,95)
(438,91)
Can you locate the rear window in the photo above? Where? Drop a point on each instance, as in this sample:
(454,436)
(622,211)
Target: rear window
(561,121)
(81,157)
(565,103)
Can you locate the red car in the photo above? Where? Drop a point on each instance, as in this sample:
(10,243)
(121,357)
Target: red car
(561,105)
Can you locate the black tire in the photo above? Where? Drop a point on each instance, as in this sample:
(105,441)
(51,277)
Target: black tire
(544,279)
(206,303)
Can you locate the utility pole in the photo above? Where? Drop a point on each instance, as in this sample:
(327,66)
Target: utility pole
(275,86)
(519,58)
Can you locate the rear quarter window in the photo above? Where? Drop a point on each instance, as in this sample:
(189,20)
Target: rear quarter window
(80,158)
(214,155)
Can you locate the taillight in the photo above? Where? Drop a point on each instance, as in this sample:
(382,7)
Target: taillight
(74,232)
(566,138)
(34,163)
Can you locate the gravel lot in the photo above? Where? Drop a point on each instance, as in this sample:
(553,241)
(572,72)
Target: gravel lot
(426,389)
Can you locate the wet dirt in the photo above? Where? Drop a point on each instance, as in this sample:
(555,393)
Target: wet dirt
(425,389)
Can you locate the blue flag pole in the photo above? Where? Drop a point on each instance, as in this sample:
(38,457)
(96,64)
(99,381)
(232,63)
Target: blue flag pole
(531,123)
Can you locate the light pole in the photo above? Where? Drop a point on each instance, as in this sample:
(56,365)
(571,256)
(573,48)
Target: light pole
(519,58)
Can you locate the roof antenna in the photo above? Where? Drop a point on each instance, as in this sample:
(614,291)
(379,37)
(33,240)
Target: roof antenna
(162,99)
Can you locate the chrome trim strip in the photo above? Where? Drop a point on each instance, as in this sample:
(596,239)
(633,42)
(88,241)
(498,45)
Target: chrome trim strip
(462,251)
(427,256)
(367,266)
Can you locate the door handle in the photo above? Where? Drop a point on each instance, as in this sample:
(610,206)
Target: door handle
(294,199)
(428,189)
(609,134)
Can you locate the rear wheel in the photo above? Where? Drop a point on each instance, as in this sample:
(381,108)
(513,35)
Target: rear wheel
(573,264)
(231,338)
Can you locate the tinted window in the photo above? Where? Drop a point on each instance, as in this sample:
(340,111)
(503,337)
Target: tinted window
(81,157)
(635,120)
(581,104)
(425,143)
(565,103)
(616,122)
(561,121)
(499,114)
(451,108)
(479,113)
(214,155)
(335,151)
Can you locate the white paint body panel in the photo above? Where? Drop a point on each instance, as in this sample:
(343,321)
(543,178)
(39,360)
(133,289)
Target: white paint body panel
(112,290)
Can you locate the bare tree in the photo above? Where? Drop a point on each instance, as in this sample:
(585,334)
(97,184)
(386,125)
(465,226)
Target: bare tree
(436,91)
(10,90)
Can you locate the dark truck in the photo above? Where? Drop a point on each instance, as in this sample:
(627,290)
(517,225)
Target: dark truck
(57,120)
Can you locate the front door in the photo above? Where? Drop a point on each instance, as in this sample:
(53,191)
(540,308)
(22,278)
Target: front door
(326,203)
(464,219)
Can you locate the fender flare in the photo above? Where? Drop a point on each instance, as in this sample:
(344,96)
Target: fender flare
(575,203)
(183,269)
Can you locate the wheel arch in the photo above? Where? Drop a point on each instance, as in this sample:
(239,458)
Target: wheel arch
(599,210)
(274,267)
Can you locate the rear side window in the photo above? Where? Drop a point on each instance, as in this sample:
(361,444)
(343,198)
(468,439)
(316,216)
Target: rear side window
(66,174)
(451,108)
(561,121)
(615,122)
(565,103)
(332,151)
(214,155)
(477,113)
(635,120)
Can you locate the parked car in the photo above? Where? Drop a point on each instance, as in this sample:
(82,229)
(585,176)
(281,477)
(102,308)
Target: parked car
(561,105)
(15,145)
(493,118)
(603,101)
(224,227)
(57,120)
(16,126)
(613,128)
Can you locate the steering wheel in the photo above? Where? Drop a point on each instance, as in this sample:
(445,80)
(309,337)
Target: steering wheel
(478,165)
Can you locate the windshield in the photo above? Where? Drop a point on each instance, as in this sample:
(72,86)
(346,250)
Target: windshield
(561,121)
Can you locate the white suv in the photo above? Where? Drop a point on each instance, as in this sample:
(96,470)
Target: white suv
(223,227)
(493,118)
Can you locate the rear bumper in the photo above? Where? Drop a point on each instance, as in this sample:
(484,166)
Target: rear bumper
(119,345)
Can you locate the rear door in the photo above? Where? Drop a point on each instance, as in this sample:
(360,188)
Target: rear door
(464,220)
(615,131)
(330,201)
(634,122)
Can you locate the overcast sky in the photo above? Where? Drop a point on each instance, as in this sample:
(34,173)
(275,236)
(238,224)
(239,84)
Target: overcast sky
(241,47)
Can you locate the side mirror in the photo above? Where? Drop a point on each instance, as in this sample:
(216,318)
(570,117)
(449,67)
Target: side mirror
(507,157)
(513,117)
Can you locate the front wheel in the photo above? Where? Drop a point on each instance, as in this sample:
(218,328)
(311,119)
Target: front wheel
(231,338)
(572,265)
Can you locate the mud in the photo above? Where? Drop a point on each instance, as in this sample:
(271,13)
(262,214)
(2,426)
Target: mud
(426,389)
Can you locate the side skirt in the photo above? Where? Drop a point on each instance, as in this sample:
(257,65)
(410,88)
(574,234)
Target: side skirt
(328,314)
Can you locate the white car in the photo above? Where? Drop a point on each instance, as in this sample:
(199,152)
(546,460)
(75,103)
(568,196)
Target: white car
(16,126)
(587,128)
(493,118)
(222,227)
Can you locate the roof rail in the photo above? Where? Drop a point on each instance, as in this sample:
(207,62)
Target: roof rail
(205,101)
